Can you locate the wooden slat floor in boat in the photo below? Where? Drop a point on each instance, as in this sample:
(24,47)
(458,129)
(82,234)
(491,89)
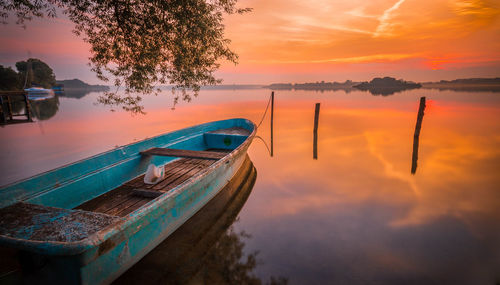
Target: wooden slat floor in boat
(124,199)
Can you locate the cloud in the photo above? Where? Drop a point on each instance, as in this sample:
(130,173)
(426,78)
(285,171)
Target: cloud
(385,24)
(359,12)
(342,37)
(357,59)
(477,8)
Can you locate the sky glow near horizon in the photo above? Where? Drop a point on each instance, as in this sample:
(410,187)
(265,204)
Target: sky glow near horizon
(296,41)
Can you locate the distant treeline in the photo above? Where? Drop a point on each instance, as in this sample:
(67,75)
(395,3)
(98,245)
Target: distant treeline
(230,87)
(469,81)
(77,84)
(377,86)
(348,84)
(389,85)
(469,84)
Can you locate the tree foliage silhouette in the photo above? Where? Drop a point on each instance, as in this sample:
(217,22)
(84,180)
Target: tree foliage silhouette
(139,44)
(9,79)
(40,73)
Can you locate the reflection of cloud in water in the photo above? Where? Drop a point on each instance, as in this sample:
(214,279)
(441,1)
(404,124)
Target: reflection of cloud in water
(358,215)
(358,247)
(344,217)
(389,168)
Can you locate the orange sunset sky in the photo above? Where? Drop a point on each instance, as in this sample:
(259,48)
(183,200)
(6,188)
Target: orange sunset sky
(301,41)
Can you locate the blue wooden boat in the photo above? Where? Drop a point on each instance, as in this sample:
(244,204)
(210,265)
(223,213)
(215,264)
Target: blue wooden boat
(39,93)
(88,222)
(58,89)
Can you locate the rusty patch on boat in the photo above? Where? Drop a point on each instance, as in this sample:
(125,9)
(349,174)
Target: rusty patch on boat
(106,246)
(42,223)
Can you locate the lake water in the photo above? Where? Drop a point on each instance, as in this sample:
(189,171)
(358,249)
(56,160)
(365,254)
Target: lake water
(354,215)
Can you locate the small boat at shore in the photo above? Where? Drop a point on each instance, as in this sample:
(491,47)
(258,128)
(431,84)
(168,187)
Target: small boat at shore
(39,93)
(88,222)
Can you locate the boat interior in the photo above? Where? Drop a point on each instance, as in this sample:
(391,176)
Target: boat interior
(132,195)
(93,214)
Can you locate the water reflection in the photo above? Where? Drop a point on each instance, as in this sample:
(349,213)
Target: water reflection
(355,216)
(464,88)
(358,216)
(272,124)
(45,109)
(17,106)
(205,249)
(385,91)
(76,93)
(41,109)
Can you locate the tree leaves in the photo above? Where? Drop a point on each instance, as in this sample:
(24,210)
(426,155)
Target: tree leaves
(138,45)
(9,79)
(39,73)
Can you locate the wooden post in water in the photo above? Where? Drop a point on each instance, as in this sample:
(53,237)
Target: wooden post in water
(315,132)
(272,122)
(9,107)
(28,110)
(416,135)
(4,116)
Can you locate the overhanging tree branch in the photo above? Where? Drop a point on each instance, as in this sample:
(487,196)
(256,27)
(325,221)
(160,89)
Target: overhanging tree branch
(139,44)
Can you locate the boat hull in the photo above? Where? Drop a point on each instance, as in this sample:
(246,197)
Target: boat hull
(178,259)
(37,93)
(106,255)
(161,222)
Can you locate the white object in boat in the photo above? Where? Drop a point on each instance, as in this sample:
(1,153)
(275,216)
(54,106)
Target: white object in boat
(154,174)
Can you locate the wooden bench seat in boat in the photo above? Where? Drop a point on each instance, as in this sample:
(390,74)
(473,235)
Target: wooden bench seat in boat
(228,138)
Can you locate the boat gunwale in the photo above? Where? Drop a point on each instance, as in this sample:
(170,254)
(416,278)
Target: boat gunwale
(179,139)
(58,248)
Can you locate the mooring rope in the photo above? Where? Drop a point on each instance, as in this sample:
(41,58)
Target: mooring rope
(261,120)
(268,150)
(265,112)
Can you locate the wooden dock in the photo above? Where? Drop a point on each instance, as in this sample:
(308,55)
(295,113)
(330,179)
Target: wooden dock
(7,114)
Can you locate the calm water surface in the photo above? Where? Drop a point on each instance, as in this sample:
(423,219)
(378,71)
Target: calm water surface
(355,215)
